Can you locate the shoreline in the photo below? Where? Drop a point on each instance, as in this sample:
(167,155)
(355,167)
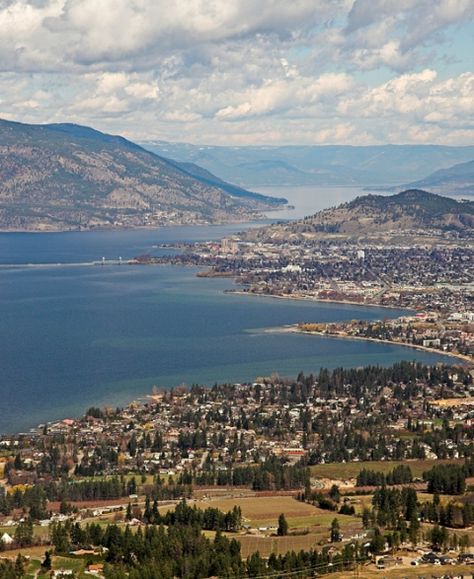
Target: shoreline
(293,329)
(287,329)
(317,300)
(260,218)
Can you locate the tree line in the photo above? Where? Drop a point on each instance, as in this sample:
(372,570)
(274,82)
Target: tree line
(448,479)
(272,474)
(401,474)
(181,550)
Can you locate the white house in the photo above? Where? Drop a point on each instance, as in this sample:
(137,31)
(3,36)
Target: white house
(6,539)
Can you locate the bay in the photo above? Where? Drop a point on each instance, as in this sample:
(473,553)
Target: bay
(73,337)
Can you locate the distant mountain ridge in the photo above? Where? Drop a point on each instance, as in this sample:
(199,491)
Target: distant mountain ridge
(66,176)
(458,179)
(207,177)
(318,165)
(409,213)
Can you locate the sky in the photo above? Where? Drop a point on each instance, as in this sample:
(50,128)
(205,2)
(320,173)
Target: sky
(244,72)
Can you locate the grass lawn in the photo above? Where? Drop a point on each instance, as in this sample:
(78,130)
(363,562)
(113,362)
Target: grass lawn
(75,564)
(33,568)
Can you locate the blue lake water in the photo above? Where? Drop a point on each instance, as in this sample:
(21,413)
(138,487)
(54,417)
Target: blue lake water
(72,337)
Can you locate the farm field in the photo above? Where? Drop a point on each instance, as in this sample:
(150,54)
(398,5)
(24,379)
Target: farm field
(343,471)
(309,528)
(423,571)
(310,524)
(36,555)
(279,545)
(264,511)
(361,501)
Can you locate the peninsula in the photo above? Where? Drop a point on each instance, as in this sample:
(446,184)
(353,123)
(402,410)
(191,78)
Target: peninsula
(412,250)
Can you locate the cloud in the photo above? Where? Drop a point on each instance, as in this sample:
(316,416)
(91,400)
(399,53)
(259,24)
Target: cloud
(88,32)
(285,94)
(419,97)
(393,34)
(74,34)
(234,70)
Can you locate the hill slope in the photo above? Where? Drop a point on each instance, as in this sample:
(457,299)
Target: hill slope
(412,213)
(458,179)
(208,178)
(56,177)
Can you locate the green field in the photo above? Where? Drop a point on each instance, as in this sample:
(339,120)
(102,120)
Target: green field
(33,566)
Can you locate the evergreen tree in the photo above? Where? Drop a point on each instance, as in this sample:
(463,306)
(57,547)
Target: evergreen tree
(282,526)
(335,531)
(128,514)
(46,563)
(334,493)
(24,533)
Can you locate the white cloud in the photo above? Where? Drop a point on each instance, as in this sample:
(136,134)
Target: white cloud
(394,34)
(283,95)
(222,70)
(89,32)
(417,97)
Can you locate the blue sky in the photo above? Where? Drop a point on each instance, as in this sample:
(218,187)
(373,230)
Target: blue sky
(244,72)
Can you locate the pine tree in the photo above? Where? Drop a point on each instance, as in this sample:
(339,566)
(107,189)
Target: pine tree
(128,515)
(46,564)
(334,493)
(414,530)
(148,513)
(24,533)
(366,518)
(20,564)
(282,526)
(335,531)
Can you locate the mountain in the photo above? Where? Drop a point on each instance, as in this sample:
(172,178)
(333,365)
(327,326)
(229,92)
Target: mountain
(207,177)
(331,165)
(412,213)
(266,171)
(457,180)
(65,176)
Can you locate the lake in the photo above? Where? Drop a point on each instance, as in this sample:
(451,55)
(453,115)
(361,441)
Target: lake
(308,200)
(76,336)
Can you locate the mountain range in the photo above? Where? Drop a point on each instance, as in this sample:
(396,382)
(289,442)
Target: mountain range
(65,176)
(333,165)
